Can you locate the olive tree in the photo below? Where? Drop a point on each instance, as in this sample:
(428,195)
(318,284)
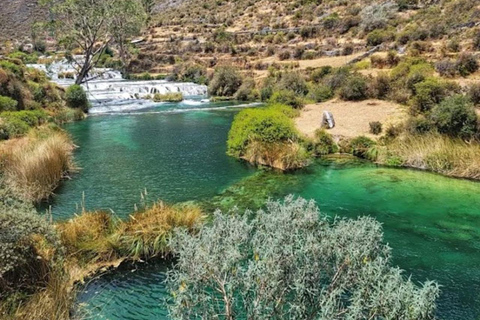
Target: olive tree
(291,262)
(93,25)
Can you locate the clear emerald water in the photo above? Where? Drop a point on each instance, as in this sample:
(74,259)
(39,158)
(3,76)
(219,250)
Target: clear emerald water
(431,222)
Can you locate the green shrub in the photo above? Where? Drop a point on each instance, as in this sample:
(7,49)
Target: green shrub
(427,94)
(76,98)
(26,58)
(16,69)
(324,143)
(474,93)
(455,117)
(418,125)
(377,37)
(375,127)
(292,81)
(476,39)
(247,91)
(355,88)
(317,75)
(337,78)
(320,93)
(286,97)
(466,64)
(263,125)
(12,128)
(359,146)
(7,104)
(277,263)
(380,86)
(225,82)
(30,117)
(27,244)
(168,97)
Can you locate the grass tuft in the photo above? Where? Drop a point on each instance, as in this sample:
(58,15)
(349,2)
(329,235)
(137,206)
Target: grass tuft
(35,164)
(434,152)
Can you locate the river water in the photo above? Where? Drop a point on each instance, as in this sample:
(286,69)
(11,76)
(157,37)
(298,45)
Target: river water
(176,152)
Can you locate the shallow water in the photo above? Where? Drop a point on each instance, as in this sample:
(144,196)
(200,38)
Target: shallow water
(431,222)
(175,156)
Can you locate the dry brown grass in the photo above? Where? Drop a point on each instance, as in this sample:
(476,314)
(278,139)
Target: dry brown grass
(146,233)
(282,155)
(87,236)
(53,302)
(35,164)
(451,157)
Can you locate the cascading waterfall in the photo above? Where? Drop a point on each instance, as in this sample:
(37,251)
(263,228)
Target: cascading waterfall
(109,93)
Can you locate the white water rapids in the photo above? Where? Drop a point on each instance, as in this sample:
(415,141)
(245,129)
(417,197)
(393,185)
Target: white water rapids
(109,93)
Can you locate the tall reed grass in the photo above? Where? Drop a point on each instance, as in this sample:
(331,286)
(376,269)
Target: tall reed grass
(146,233)
(34,165)
(99,237)
(280,155)
(434,152)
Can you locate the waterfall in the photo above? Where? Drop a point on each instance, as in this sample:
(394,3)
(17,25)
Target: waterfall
(108,92)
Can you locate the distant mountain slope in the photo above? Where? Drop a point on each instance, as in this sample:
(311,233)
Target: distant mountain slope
(17,18)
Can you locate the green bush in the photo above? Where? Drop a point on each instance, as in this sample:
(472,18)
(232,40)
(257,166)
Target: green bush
(225,82)
(12,128)
(16,69)
(324,143)
(377,37)
(375,127)
(474,93)
(418,125)
(360,146)
(355,88)
(27,244)
(337,78)
(76,98)
(455,117)
(168,97)
(287,97)
(7,104)
(427,94)
(247,91)
(317,75)
(380,86)
(30,117)
(292,81)
(320,93)
(268,125)
(466,64)
(289,261)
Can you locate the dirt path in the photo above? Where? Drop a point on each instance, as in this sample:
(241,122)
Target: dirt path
(352,118)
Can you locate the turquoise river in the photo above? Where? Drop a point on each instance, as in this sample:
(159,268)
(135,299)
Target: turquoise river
(177,153)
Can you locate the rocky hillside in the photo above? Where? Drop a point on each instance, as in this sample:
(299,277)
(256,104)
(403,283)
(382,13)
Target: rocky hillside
(253,35)
(17,18)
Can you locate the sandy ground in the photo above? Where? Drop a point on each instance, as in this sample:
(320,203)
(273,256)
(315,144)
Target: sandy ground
(351,118)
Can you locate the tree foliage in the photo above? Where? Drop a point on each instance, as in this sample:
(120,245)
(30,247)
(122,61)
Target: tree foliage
(291,262)
(225,82)
(91,25)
